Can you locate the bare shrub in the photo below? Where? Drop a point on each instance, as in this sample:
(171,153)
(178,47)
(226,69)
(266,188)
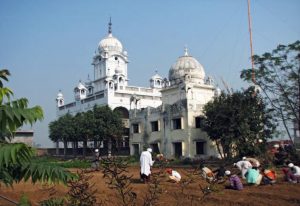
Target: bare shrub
(115,172)
(81,192)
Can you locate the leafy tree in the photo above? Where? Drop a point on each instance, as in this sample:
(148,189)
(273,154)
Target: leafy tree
(54,134)
(63,130)
(238,122)
(16,159)
(108,125)
(13,114)
(84,128)
(99,124)
(277,73)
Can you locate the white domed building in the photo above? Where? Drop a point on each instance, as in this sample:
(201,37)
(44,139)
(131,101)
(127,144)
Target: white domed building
(166,115)
(173,128)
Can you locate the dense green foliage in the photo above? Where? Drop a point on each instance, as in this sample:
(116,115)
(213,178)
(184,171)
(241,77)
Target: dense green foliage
(278,76)
(237,122)
(16,159)
(99,124)
(13,114)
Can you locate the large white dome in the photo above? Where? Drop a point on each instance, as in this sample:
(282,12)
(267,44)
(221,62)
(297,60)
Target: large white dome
(110,43)
(187,66)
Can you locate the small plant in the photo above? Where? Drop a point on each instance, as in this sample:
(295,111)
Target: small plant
(24,201)
(53,201)
(81,192)
(115,171)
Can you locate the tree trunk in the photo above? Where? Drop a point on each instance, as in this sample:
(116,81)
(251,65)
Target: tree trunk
(219,150)
(57,148)
(109,147)
(84,148)
(95,144)
(74,148)
(65,148)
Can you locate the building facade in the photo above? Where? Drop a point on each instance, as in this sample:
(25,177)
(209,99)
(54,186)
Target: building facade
(174,128)
(166,115)
(23,136)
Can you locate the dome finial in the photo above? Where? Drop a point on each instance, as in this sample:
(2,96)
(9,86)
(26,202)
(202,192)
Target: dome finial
(109,26)
(186,50)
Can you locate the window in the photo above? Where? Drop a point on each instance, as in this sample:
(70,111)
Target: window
(177,147)
(136,149)
(177,123)
(154,126)
(135,128)
(155,148)
(200,148)
(198,122)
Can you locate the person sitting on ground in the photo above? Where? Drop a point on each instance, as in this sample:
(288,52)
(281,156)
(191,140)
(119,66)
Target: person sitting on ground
(269,176)
(253,177)
(160,157)
(220,173)
(173,175)
(295,171)
(234,180)
(206,173)
(243,166)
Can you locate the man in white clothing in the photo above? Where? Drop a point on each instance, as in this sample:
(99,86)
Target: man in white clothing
(146,164)
(243,166)
(295,171)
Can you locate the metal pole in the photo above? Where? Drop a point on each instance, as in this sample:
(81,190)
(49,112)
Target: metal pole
(251,47)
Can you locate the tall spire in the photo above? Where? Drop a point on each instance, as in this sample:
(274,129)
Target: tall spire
(109,26)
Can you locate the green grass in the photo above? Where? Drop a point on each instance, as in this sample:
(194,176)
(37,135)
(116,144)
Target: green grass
(75,163)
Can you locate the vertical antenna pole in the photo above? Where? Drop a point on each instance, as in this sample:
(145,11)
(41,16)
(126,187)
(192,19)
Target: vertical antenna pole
(251,47)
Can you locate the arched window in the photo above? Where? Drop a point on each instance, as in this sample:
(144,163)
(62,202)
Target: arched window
(111,86)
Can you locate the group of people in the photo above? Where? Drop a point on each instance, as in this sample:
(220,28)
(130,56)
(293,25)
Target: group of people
(250,169)
(254,175)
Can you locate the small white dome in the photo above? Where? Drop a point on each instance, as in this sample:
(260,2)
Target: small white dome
(156,76)
(186,65)
(60,95)
(81,86)
(218,92)
(110,43)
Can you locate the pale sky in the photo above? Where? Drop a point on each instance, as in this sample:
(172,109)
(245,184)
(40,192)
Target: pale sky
(49,45)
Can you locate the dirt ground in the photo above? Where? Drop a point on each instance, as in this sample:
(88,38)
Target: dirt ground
(282,193)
